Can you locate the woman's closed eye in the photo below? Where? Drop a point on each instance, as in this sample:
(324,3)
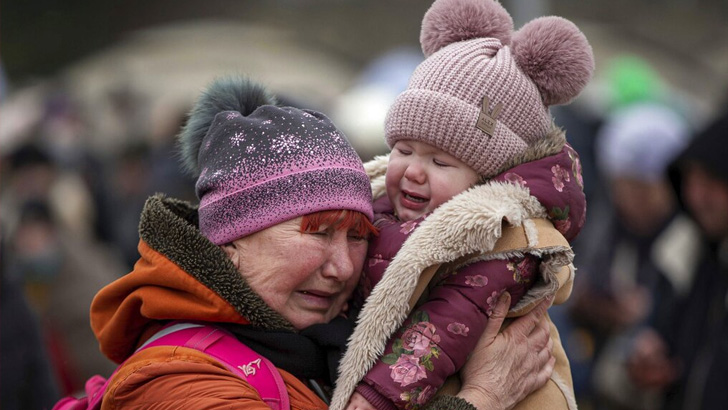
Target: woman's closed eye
(322,232)
(353,236)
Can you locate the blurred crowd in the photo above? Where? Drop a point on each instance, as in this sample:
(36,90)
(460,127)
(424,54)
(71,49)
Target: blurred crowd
(69,227)
(648,315)
(646,327)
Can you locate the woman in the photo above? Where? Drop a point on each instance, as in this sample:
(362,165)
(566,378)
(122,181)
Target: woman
(272,255)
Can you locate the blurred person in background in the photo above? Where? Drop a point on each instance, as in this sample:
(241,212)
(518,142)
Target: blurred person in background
(60,273)
(361,110)
(27,379)
(129,186)
(683,358)
(63,133)
(140,169)
(28,175)
(58,268)
(631,206)
(643,242)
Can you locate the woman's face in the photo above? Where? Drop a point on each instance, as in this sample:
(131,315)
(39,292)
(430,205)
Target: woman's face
(307,277)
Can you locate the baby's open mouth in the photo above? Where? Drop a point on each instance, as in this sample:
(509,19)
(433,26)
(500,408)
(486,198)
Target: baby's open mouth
(414,198)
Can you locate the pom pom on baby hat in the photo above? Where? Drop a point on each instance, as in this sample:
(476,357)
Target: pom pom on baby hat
(482,94)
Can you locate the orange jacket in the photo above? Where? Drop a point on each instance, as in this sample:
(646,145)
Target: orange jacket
(180,275)
(181,378)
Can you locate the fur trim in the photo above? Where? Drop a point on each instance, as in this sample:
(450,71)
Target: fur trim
(224,94)
(531,232)
(551,144)
(567,391)
(169,226)
(470,223)
(445,402)
(376,170)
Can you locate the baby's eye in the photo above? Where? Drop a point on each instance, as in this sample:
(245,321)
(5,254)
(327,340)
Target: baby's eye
(404,151)
(440,163)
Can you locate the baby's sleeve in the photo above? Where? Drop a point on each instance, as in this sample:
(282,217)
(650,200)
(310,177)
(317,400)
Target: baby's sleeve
(436,339)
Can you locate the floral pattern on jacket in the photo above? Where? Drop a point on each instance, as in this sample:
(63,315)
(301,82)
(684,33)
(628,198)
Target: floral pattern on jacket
(436,339)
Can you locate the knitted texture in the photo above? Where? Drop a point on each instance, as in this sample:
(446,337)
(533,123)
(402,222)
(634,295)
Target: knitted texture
(476,100)
(276,164)
(444,99)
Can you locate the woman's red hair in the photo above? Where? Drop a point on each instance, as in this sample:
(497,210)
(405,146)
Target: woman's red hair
(339,219)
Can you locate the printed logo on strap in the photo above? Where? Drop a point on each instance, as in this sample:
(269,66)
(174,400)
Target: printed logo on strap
(249,369)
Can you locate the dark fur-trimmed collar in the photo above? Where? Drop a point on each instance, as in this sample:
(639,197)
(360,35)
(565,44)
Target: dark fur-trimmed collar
(169,226)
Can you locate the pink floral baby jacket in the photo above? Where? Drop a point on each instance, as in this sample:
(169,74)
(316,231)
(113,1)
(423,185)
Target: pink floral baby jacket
(437,337)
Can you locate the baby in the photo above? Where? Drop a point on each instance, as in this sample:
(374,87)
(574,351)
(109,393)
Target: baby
(475,157)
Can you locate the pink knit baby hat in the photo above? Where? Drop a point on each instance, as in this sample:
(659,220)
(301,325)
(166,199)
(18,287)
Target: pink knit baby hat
(258,164)
(482,94)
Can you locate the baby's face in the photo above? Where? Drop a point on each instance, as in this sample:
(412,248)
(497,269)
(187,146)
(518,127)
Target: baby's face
(421,177)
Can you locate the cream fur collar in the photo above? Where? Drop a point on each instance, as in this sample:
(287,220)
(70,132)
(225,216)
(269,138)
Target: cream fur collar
(469,223)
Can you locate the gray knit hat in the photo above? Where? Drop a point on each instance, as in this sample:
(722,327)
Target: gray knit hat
(258,164)
(482,94)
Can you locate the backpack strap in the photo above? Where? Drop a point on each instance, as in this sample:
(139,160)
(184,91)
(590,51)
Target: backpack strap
(217,343)
(258,371)
(95,388)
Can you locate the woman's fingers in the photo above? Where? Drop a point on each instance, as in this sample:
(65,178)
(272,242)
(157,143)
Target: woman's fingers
(541,334)
(496,318)
(550,345)
(530,322)
(546,353)
(545,373)
(505,367)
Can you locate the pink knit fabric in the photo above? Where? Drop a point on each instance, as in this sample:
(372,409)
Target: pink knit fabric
(276,164)
(444,99)
(482,94)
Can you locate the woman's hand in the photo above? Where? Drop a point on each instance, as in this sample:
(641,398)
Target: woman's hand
(505,367)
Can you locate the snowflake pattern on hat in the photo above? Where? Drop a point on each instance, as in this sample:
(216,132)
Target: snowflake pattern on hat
(276,164)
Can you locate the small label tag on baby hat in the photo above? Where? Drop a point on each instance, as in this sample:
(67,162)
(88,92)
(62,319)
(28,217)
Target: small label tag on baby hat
(487,118)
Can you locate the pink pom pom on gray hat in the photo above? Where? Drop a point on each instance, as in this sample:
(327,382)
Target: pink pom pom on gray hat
(482,94)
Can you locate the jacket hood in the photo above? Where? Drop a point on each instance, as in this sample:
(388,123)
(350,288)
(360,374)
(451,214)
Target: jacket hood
(556,182)
(180,275)
(706,149)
